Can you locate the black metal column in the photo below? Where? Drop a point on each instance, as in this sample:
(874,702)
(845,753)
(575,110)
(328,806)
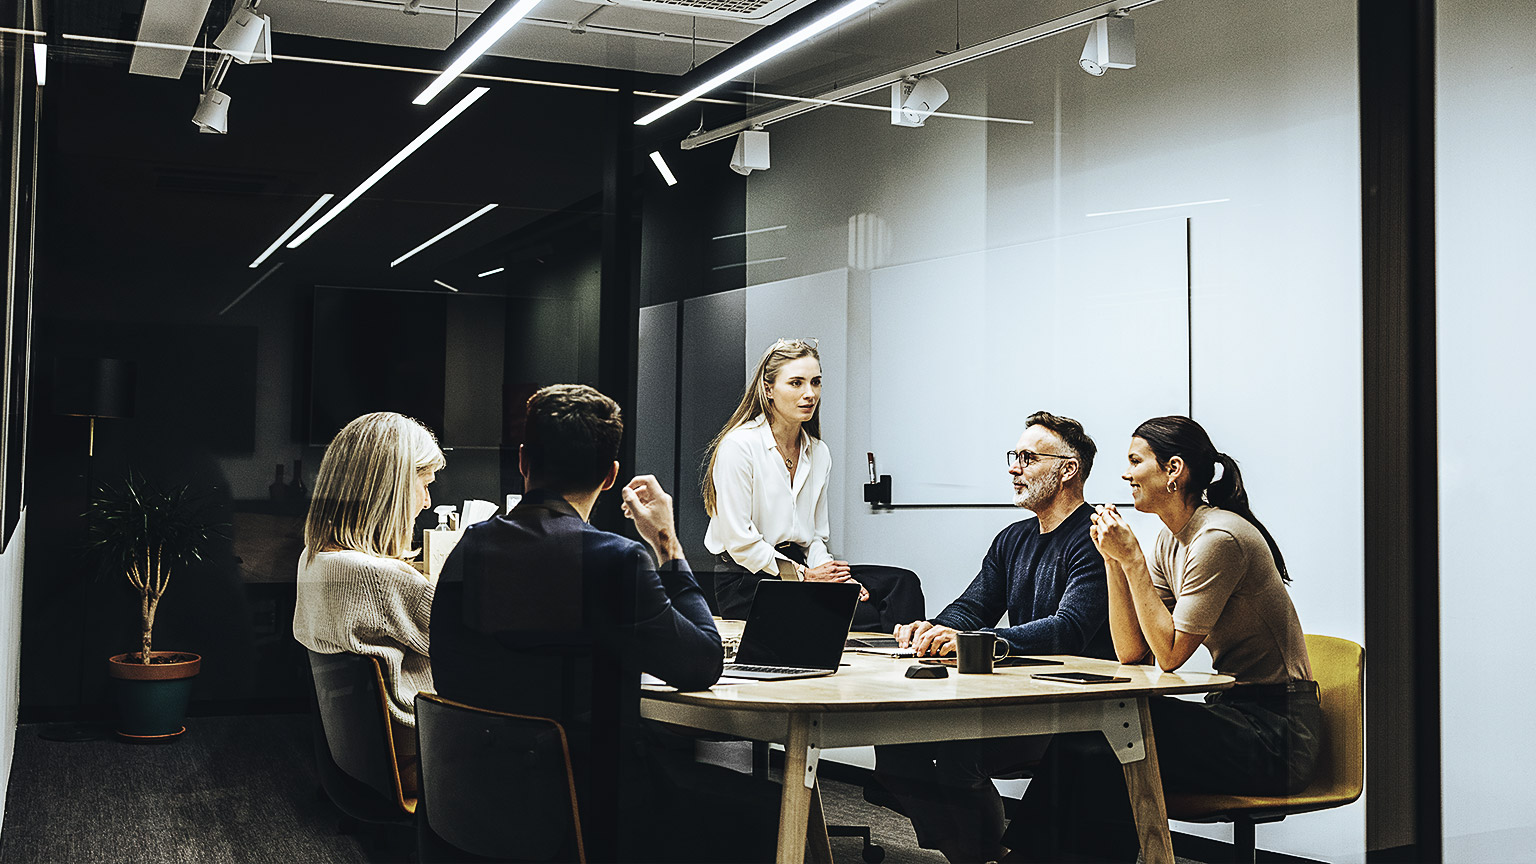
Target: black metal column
(1397,119)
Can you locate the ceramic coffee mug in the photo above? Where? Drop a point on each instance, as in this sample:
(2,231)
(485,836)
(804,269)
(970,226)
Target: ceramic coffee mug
(978,650)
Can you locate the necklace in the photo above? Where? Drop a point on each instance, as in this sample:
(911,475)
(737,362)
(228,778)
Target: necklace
(788,462)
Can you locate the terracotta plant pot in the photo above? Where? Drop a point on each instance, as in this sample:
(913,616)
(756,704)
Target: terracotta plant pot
(152,700)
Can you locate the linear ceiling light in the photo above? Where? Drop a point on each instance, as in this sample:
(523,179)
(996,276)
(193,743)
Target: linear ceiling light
(313,209)
(446,231)
(446,285)
(661,165)
(394,160)
(492,272)
(502,14)
(836,17)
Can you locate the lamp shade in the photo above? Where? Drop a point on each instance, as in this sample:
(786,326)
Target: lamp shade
(93,387)
(242,36)
(212,114)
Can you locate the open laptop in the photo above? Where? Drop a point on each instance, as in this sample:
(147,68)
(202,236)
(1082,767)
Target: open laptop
(878,645)
(795,630)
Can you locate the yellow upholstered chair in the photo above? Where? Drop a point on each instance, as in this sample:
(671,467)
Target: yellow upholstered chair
(1339,666)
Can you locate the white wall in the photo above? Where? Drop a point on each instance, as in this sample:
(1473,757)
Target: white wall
(1486,179)
(11,561)
(1254,103)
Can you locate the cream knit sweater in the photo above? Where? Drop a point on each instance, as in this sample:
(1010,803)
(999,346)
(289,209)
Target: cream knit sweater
(377,607)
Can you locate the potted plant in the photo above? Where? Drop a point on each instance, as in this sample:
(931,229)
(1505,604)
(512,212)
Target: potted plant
(149,532)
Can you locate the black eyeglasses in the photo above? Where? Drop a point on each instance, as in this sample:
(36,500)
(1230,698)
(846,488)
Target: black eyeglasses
(1026,458)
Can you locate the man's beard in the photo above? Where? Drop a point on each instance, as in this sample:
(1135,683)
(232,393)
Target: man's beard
(1038,493)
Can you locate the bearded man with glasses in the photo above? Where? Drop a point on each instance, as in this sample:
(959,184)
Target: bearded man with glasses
(1045,573)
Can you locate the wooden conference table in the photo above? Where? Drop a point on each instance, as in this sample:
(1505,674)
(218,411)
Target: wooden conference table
(870,701)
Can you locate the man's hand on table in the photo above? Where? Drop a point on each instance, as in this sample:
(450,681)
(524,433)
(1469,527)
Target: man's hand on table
(926,638)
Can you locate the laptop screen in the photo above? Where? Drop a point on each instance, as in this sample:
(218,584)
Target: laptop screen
(798,624)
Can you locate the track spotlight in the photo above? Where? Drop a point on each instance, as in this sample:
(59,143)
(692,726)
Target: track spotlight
(1111,45)
(212,114)
(751,152)
(247,36)
(913,99)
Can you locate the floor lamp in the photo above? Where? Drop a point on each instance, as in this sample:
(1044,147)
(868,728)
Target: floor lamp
(92,388)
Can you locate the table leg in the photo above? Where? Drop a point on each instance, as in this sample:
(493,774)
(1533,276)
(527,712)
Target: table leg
(795,799)
(1144,782)
(816,839)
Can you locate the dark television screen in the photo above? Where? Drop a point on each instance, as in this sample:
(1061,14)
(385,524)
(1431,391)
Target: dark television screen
(376,351)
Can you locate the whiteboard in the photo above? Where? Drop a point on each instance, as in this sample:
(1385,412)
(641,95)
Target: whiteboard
(963,349)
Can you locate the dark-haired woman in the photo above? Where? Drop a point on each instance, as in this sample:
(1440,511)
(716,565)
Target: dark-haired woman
(1217,579)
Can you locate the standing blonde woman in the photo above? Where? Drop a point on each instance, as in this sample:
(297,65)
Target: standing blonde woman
(356,593)
(766,487)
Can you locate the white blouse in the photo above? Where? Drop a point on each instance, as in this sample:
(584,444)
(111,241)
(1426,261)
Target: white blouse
(757,507)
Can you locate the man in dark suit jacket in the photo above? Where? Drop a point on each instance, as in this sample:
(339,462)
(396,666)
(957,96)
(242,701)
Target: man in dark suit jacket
(556,618)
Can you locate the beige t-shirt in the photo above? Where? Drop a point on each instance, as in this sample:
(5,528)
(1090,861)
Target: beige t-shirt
(1219,579)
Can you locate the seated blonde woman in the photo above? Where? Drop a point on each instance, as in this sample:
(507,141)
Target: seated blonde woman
(356,593)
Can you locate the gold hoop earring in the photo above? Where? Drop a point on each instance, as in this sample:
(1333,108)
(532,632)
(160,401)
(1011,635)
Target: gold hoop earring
(1173,487)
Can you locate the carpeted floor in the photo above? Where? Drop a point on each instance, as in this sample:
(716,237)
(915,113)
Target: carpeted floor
(238,789)
(241,789)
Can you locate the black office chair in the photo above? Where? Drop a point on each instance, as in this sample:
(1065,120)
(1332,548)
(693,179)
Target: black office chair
(494,786)
(354,744)
(895,597)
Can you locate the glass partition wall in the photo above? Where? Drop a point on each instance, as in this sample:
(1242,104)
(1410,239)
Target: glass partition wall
(264,286)
(1486,88)
(1178,237)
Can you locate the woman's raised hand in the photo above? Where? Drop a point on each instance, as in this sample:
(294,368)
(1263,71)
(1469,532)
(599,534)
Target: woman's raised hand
(1111,535)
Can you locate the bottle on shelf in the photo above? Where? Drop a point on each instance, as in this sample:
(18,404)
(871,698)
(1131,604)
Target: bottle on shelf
(278,491)
(296,490)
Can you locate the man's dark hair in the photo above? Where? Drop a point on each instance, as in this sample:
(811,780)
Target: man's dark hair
(1071,432)
(572,438)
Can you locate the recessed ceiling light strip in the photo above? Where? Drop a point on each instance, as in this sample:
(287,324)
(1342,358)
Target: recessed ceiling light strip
(661,165)
(446,285)
(821,25)
(394,160)
(502,15)
(446,231)
(491,272)
(313,209)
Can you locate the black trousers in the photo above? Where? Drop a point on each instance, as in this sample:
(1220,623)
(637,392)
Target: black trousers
(946,789)
(1251,740)
(895,596)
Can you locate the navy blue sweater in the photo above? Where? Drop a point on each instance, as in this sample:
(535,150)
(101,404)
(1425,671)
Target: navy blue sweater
(1051,585)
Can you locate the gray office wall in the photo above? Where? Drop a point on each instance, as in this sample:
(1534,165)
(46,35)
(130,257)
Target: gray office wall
(714,331)
(655,419)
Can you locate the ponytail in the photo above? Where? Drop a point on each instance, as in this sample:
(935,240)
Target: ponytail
(1227,492)
(1180,436)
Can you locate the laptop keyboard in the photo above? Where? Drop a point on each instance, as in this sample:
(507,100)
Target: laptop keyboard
(792,670)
